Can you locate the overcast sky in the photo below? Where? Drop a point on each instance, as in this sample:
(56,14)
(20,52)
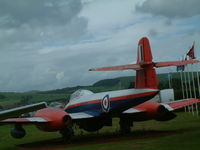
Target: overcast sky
(50,44)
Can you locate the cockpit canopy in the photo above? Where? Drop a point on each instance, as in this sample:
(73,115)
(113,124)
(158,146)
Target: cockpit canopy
(79,93)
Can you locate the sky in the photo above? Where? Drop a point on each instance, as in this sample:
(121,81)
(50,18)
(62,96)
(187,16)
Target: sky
(50,44)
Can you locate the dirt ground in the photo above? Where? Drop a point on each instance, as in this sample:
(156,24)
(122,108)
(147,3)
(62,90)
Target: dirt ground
(77,141)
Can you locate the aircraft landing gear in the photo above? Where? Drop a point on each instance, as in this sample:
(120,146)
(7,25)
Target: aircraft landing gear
(125,125)
(67,134)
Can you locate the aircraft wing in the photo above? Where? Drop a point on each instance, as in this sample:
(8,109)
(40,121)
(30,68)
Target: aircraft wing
(40,120)
(29,120)
(171,106)
(133,111)
(15,112)
(123,67)
(84,115)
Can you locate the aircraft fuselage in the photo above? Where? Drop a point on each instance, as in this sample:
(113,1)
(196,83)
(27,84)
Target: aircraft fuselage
(111,101)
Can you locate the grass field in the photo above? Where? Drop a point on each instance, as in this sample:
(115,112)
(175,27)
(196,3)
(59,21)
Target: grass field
(181,133)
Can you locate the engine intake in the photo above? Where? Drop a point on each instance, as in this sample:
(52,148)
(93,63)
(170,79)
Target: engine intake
(57,119)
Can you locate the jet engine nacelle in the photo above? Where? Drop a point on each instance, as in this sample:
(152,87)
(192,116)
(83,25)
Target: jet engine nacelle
(164,114)
(154,111)
(58,119)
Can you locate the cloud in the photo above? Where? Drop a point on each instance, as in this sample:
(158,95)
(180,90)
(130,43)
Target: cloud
(26,28)
(42,51)
(38,13)
(105,16)
(60,75)
(153,32)
(170,8)
(25,21)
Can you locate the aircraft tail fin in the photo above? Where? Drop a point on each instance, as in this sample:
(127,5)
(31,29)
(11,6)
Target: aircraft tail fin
(145,67)
(146,77)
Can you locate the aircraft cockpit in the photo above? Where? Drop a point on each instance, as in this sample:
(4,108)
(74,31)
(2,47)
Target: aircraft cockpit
(79,93)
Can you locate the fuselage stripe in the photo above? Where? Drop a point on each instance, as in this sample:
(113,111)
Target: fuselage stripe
(132,96)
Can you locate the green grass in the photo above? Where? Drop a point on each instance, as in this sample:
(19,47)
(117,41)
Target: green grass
(33,134)
(187,138)
(185,141)
(185,123)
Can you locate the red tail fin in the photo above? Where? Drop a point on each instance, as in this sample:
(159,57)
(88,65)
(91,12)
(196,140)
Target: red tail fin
(144,52)
(145,78)
(145,73)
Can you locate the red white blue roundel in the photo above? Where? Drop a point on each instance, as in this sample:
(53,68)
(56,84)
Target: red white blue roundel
(105,103)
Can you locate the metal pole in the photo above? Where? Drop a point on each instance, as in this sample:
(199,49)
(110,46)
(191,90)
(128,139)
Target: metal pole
(194,89)
(182,86)
(198,81)
(188,73)
(189,86)
(186,86)
(199,92)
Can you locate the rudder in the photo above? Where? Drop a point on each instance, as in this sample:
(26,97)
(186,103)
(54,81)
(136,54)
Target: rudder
(146,77)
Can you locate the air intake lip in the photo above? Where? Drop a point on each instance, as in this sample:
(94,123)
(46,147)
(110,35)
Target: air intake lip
(66,119)
(162,109)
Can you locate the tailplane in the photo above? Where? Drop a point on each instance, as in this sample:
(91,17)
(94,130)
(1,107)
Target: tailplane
(145,67)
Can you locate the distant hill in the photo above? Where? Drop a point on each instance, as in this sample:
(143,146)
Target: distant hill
(111,84)
(10,99)
(107,82)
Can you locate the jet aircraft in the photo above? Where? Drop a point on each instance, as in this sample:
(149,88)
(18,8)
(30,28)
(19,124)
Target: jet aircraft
(91,111)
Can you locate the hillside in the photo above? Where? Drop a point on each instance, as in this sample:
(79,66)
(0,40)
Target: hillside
(10,99)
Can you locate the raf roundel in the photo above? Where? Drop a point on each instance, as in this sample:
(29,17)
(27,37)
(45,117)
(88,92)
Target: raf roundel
(105,103)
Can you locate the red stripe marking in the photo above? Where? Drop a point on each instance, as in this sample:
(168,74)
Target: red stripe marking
(113,99)
(84,103)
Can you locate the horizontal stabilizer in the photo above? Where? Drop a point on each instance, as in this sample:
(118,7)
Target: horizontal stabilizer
(123,67)
(141,66)
(175,63)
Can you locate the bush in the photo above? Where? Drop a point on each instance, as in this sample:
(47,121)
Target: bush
(2,96)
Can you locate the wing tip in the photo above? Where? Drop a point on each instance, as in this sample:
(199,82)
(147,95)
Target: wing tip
(92,69)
